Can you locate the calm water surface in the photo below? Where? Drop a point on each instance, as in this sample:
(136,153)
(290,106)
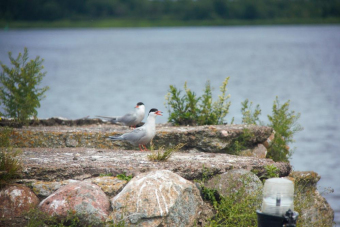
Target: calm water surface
(107,71)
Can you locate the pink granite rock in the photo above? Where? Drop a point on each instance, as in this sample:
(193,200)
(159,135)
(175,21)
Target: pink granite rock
(157,198)
(86,200)
(15,200)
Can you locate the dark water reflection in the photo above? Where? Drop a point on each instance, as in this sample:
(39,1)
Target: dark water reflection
(107,71)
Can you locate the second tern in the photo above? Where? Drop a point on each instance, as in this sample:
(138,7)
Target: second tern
(142,135)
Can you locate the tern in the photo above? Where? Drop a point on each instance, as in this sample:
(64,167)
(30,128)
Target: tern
(130,119)
(142,135)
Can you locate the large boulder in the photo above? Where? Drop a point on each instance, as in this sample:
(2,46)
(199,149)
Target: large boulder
(45,188)
(313,209)
(16,200)
(234,180)
(85,200)
(157,198)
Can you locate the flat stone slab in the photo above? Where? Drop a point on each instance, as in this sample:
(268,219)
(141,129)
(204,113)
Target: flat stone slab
(213,138)
(56,164)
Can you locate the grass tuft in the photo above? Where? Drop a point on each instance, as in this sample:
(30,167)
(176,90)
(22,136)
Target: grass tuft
(162,155)
(10,164)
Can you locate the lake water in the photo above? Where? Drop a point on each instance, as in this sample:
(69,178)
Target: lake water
(107,71)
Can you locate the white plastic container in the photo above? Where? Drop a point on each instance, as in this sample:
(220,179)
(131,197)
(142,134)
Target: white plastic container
(278,196)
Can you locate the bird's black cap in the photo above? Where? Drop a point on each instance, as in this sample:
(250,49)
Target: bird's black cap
(153,110)
(140,103)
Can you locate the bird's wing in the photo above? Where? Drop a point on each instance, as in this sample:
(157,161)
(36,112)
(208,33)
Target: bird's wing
(135,136)
(128,119)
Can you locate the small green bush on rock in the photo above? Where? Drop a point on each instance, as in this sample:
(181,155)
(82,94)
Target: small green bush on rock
(192,110)
(284,123)
(236,206)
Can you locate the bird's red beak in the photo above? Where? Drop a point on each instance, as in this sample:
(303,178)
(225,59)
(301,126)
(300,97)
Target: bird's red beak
(159,113)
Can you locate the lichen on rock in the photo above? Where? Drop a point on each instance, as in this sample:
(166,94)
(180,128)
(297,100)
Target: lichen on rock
(157,198)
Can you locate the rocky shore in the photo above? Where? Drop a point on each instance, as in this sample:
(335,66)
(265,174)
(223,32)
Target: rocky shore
(71,166)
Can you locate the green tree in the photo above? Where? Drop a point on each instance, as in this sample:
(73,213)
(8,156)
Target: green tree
(19,94)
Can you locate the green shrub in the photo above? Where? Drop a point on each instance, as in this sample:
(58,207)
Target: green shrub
(192,110)
(240,143)
(284,123)
(271,172)
(19,93)
(238,208)
(249,116)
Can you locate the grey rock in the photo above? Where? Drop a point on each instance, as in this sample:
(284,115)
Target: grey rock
(57,164)
(234,180)
(71,142)
(214,138)
(157,198)
(313,209)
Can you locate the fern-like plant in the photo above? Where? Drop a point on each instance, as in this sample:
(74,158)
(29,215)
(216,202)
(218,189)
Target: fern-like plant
(19,92)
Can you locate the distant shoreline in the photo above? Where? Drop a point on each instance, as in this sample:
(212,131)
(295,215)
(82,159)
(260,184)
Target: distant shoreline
(134,23)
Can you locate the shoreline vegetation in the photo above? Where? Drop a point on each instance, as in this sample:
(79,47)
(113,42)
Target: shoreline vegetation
(165,13)
(144,23)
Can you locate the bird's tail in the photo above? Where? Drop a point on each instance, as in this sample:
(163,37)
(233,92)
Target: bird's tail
(115,138)
(111,119)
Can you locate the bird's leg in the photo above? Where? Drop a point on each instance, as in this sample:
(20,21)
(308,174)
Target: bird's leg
(140,147)
(145,149)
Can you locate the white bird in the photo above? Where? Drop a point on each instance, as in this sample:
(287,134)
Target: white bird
(129,119)
(142,135)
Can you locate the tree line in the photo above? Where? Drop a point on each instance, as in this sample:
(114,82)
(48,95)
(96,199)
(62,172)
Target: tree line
(50,10)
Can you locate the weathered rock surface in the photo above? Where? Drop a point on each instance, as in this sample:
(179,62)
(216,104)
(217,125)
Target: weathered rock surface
(110,185)
(43,189)
(15,200)
(54,121)
(157,198)
(259,151)
(233,180)
(87,200)
(60,164)
(218,138)
(314,210)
